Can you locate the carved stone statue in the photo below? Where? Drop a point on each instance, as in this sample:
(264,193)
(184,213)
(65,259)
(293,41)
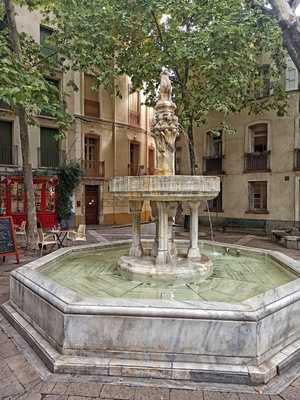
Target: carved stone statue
(165,92)
(165,128)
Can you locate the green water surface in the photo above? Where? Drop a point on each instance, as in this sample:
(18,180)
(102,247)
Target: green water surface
(235,277)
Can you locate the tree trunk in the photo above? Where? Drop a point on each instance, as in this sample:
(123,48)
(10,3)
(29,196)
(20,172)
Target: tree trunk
(24,137)
(290,26)
(192,155)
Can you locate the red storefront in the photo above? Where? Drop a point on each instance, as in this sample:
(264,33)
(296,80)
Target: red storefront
(13,199)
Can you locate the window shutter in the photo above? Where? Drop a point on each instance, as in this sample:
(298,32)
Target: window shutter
(292,78)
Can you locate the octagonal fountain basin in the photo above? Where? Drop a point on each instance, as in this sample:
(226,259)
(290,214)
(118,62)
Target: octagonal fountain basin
(82,315)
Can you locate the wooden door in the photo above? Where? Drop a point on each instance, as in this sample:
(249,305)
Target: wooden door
(134,158)
(91,205)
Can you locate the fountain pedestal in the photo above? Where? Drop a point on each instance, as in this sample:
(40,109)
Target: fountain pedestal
(164,193)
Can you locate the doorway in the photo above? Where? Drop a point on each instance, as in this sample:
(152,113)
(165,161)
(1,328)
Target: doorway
(91,205)
(151,161)
(134,158)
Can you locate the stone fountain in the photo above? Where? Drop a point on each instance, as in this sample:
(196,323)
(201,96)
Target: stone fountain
(165,191)
(143,309)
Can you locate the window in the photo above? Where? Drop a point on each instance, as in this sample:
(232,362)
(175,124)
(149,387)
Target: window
(46,48)
(49,155)
(258,196)
(17,198)
(216,204)
(54,95)
(291,76)
(91,97)
(259,138)
(6,148)
(263,88)
(213,161)
(134,107)
(91,156)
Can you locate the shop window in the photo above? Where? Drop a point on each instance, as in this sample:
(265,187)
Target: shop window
(3,198)
(258,196)
(134,107)
(17,198)
(49,154)
(50,197)
(38,189)
(91,97)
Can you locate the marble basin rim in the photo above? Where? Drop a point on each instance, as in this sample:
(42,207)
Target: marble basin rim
(247,342)
(165,188)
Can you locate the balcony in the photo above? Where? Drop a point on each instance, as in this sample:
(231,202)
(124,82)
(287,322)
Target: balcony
(257,162)
(9,155)
(133,169)
(297,160)
(134,118)
(51,160)
(213,165)
(93,169)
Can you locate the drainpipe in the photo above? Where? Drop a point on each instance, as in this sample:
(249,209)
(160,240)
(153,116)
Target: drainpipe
(114,137)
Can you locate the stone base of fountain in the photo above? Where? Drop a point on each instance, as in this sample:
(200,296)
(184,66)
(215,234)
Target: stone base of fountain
(183,269)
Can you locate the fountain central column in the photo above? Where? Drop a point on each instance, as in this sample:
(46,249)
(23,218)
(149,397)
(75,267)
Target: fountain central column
(135,210)
(194,251)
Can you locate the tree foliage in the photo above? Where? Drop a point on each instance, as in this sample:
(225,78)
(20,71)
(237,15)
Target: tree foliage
(23,78)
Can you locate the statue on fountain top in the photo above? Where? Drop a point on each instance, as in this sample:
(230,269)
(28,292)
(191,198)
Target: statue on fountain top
(165,128)
(165,92)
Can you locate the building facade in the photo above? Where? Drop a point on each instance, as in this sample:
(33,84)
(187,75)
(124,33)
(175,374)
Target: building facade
(110,136)
(259,166)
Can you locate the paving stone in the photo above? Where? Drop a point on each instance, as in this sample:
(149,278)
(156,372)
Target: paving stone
(47,387)
(10,387)
(186,395)
(296,382)
(8,349)
(291,393)
(247,396)
(79,398)
(122,392)
(54,397)
(147,393)
(23,371)
(84,389)
(60,388)
(220,396)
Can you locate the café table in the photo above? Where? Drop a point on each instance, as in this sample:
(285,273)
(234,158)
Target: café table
(60,235)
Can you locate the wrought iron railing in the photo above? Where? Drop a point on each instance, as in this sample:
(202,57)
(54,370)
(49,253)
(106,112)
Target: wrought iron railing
(48,159)
(9,155)
(93,169)
(257,161)
(213,165)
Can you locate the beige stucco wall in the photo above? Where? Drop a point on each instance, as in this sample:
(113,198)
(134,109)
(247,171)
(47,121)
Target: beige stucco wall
(106,127)
(284,135)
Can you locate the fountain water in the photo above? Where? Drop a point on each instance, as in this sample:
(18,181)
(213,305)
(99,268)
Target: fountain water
(164,191)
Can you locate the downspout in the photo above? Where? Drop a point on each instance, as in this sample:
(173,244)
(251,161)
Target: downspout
(114,133)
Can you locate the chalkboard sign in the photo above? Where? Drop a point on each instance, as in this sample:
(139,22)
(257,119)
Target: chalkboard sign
(8,245)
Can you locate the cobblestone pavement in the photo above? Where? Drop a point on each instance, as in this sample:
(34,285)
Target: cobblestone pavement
(24,376)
